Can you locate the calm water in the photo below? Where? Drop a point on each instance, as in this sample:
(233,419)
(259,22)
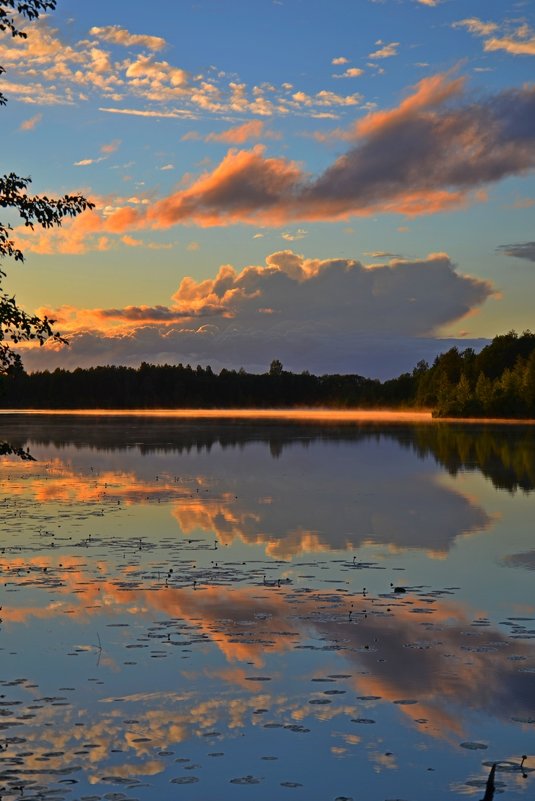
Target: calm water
(216,605)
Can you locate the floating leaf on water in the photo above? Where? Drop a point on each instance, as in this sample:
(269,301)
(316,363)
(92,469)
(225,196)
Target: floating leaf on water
(474,746)
(245,780)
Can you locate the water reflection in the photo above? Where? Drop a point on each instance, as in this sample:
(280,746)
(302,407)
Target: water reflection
(333,488)
(180,607)
(504,453)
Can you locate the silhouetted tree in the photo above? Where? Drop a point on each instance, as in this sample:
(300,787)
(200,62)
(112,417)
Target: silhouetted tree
(15,324)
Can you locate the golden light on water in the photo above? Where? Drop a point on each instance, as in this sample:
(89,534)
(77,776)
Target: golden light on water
(327,415)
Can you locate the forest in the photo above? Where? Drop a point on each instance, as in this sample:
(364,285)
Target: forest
(499,381)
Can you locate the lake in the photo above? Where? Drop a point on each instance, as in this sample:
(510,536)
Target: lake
(317,609)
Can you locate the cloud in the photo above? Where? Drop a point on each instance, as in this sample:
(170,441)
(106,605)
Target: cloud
(382,254)
(523,250)
(87,162)
(339,60)
(430,3)
(120,36)
(111,147)
(477,26)
(518,41)
(385,50)
(239,134)
(424,156)
(73,73)
(295,236)
(524,203)
(323,315)
(434,152)
(136,112)
(31,123)
(350,72)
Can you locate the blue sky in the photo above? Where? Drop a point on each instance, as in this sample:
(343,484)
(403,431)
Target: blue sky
(335,184)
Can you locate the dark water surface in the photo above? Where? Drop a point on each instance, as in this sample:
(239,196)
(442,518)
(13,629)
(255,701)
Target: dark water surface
(264,610)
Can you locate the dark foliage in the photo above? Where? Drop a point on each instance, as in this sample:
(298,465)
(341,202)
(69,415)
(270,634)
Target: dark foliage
(167,386)
(497,382)
(16,325)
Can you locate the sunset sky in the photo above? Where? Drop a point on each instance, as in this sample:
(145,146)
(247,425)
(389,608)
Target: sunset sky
(346,186)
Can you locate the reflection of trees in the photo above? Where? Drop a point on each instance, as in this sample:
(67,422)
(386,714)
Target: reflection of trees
(503,453)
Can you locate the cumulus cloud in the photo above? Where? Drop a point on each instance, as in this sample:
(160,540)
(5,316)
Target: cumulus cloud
(522,250)
(120,36)
(385,50)
(323,315)
(71,73)
(350,72)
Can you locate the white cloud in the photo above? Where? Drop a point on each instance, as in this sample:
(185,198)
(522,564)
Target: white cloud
(74,73)
(385,50)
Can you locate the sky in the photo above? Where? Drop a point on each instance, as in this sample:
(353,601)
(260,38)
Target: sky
(346,186)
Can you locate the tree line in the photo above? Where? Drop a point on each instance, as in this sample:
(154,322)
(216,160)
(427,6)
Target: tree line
(499,381)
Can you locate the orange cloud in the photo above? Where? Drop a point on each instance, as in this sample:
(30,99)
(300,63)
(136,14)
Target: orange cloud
(432,153)
(239,134)
(429,93)
(31,123)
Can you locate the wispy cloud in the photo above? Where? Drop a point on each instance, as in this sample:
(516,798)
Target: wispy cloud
(518,40)
(88,162)
(138,112)
(522,250)
(110,147)
(120,36)
(294,236)
(239,134)
(31,123)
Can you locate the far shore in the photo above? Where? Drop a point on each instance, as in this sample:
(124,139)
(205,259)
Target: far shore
(319,415)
